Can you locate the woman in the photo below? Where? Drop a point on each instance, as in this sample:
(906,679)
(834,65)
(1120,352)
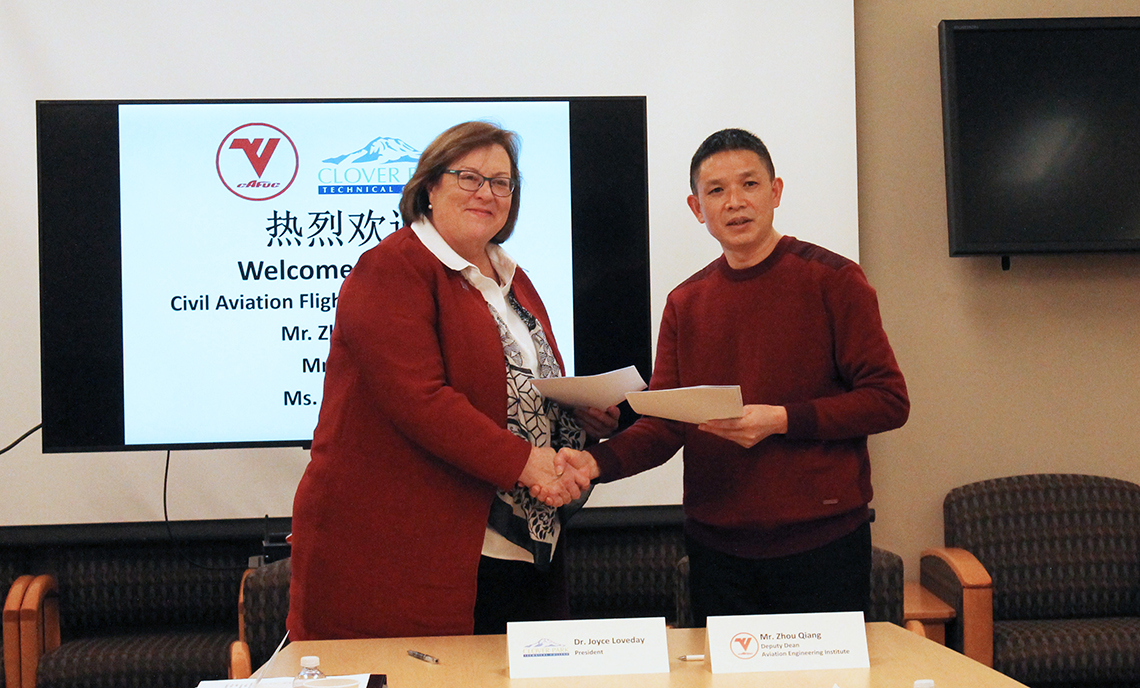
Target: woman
(429,432)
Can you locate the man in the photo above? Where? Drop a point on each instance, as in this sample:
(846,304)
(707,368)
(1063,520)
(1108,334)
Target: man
(776,515)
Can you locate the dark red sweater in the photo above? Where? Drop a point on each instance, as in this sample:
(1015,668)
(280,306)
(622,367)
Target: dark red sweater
(801,330)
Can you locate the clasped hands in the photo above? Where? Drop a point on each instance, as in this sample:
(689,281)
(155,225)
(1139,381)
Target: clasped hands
(558,478)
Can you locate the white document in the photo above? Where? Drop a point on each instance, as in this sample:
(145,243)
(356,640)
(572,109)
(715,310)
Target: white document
(689,404)
(548,649)
(286,682)
(591,391)
(360,680)
(787,642)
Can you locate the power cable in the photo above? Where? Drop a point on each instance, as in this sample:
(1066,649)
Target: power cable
(170,530)
(21,438)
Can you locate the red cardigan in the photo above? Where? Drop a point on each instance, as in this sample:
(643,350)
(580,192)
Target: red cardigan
(410,446)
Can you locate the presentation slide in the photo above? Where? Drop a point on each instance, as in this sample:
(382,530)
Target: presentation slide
(239,221)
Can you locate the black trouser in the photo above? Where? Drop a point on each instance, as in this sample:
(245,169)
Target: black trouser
(517,591)
(833,578)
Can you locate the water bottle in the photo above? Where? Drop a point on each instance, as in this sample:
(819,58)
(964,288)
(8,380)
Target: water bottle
(310,670)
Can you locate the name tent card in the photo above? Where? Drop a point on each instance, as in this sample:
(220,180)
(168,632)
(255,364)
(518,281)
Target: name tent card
(787,642)
(601,647)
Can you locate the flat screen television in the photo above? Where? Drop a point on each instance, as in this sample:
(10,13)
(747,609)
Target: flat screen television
(191,251)
(1040,122)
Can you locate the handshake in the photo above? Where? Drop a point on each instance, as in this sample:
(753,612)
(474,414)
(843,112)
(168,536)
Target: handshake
(558,478)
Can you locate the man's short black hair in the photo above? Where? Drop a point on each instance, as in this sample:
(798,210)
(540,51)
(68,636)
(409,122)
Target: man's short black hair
(729,140)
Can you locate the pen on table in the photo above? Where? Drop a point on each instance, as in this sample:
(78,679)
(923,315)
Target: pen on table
(424,657)
(692,658)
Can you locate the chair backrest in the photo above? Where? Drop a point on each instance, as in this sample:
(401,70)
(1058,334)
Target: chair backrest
(1056,545)
(623,571)
(147,585)
(265,605)
(610,572)
(886,603)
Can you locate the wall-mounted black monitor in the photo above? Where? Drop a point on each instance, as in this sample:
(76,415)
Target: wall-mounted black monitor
(1040,122)
(191,251)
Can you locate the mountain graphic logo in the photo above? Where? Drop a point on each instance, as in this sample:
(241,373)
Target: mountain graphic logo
(381,150)
(545,648)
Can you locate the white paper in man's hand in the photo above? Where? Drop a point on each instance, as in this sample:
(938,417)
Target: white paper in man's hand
(591,391)
(689,404)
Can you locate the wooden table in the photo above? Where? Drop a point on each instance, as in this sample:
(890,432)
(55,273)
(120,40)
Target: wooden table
(898,658)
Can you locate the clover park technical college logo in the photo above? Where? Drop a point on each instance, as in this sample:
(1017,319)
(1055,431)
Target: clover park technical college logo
(382,166)
(257,162)
(546,648)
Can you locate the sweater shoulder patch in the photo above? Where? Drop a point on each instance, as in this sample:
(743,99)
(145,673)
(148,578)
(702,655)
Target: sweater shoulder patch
(818,254)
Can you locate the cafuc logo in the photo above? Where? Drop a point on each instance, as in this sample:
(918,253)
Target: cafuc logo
(744,645)
(257,161)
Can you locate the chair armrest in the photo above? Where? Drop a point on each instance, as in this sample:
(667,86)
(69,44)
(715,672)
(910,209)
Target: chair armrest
(39,625)
(241,608)
(240,664)
(957,578)
(915,626)
(12,630)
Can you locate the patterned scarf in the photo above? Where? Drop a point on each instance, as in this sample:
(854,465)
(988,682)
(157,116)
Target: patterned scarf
(515,514)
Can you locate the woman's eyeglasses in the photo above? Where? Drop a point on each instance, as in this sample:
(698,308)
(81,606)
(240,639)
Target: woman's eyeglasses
(473,181)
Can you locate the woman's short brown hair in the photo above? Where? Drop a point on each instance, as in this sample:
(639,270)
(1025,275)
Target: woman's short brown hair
(441,153)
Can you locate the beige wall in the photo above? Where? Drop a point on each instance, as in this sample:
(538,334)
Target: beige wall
(1026,371)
